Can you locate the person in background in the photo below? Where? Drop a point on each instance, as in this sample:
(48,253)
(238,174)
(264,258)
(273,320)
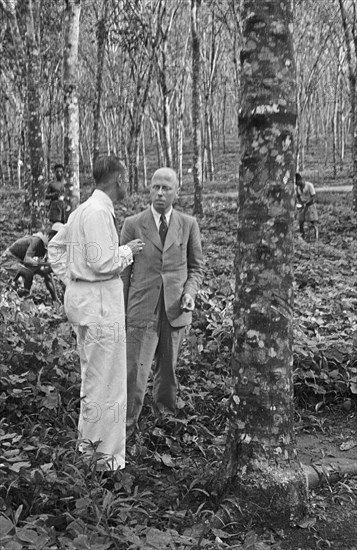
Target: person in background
(159,289)
(86,257)
(55,196)
(307,211)
(25,258)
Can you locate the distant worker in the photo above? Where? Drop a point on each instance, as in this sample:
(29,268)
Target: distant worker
(55,196)
(24,259)
(307,211)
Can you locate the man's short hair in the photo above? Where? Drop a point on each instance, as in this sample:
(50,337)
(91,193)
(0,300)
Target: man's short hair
(105,166)
(298,177)
(58,165)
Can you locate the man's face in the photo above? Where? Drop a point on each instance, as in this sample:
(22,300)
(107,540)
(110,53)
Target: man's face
(120,187)
(163,190)
(59,173)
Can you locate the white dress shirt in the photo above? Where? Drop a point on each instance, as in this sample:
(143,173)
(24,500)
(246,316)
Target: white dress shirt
(157,216)
(86,248)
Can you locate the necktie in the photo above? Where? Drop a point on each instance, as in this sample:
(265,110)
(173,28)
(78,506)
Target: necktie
(162,228)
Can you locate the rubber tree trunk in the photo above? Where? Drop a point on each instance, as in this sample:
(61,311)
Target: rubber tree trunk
(352,77)
(71,110)
(260,469)
(101,42)
(196,110)
(36,151)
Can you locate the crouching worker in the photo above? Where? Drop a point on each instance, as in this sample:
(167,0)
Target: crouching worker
(24,259)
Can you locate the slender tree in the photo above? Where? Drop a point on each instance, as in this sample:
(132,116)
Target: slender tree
(102,33)
(34,128)
(71,111)
(351,53)
(14,78)
(260,465)
(196,109)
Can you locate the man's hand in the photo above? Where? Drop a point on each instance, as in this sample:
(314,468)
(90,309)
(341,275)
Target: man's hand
(187,302)
(136,246)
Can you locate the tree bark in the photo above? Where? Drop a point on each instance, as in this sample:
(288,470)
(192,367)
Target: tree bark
(196,110)
(36,151)
(71,110)
(101,41)
(352,77)
(166,130)
(260,466)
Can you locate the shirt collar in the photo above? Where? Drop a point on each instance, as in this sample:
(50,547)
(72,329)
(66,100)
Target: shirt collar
(103,198)
(157,216)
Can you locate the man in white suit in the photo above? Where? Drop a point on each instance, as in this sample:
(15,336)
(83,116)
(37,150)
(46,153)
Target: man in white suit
(86,257)
(159,291)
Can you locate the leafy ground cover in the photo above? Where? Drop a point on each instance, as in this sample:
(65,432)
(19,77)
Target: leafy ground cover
(50,498)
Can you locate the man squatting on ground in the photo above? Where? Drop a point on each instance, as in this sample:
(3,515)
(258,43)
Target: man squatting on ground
(26,257)
(159,290)
(306,196)
(85,255)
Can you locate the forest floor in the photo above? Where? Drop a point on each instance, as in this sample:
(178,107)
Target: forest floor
(51,499)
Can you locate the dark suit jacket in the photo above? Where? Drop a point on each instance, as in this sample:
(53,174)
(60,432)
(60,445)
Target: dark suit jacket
(176,268)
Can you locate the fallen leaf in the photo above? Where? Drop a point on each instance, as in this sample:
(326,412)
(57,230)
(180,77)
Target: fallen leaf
(5,526)
(347,445)
(307,523)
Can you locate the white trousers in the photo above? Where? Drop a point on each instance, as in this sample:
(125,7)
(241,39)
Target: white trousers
(96,311)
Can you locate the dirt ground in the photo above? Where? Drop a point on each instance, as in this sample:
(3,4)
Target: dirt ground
(328,435)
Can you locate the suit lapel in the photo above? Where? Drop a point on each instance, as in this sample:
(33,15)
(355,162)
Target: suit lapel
(150,229)
(173,233)
(174,230)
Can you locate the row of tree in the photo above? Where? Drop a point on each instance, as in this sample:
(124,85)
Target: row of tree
(135,76)
(143,78)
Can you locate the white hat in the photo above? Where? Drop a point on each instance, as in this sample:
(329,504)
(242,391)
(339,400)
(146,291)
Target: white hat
(57,226)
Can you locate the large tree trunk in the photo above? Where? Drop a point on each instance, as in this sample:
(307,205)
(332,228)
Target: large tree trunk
(196,110)
(36,152)
(71,111)
(260,467)
(352,77)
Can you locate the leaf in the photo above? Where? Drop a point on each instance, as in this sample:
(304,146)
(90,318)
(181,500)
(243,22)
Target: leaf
(18,514)
(130,536)
(353,385)
(27,535)
(12,545)
(6,526)
(251,542)
(167,460)
(307,523)
(347,445)
(81,543)
(220,534)
(16,467)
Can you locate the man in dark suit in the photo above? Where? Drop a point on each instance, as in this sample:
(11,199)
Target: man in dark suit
(159,290)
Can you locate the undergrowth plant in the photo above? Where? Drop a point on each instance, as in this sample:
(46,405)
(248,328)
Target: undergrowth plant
(51,497)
